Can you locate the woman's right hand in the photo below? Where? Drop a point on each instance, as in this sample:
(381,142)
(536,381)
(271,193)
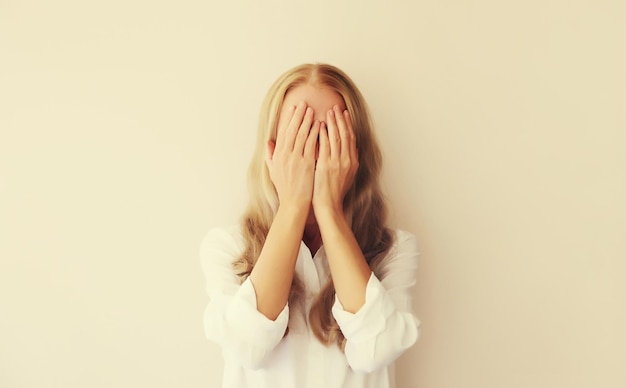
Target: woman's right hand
(291,159)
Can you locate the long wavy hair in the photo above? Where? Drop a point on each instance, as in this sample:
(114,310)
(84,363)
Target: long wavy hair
(364,204)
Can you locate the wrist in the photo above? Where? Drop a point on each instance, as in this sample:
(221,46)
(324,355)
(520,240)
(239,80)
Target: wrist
(293,211)
(328,212)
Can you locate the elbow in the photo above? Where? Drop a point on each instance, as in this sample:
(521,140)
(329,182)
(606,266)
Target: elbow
(253,359)
(245,354)
(250,349)
(366,366)
(381,351)
(251,352)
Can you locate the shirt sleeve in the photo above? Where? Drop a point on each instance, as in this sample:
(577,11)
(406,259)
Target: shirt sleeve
(231,318)
(385,326)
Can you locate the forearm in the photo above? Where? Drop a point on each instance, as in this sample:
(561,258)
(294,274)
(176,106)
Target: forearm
(349,269)
(273,272)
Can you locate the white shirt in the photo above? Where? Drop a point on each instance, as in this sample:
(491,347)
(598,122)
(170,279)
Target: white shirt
(256,352)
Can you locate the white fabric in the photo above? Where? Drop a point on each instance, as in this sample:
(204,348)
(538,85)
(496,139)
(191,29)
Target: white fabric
(256,352)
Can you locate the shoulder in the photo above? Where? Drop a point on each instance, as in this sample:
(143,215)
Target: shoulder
(219,248)
(403,254)
(404,242)
(226,240)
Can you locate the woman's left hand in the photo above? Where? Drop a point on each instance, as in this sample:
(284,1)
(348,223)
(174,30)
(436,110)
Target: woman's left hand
(337,162)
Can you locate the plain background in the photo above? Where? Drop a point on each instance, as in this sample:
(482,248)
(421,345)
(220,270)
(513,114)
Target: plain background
(126,131)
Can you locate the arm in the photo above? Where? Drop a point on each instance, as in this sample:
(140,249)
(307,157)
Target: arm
(349,270)
(385,326)
(374,315)
(231,318)
(335,171)
(291,163)
(273,272)
(249,319)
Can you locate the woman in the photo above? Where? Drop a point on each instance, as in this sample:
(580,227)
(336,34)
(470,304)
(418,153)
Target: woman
(312,289)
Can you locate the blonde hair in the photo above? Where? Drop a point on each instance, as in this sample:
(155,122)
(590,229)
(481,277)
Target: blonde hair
(364,204)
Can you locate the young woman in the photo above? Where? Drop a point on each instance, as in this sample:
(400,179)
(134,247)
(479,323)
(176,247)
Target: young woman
(312,289)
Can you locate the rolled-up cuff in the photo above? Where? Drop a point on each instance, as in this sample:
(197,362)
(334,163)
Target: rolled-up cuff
(371,317)
(251,325)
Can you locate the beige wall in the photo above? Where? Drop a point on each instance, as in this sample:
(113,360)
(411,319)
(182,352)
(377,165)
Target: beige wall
(126,128)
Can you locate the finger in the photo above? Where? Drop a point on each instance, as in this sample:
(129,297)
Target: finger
(354,152)
(333,135)
(311,141)
(303,131)
(343,131)
(282,129)
(324,146)
(294,125)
